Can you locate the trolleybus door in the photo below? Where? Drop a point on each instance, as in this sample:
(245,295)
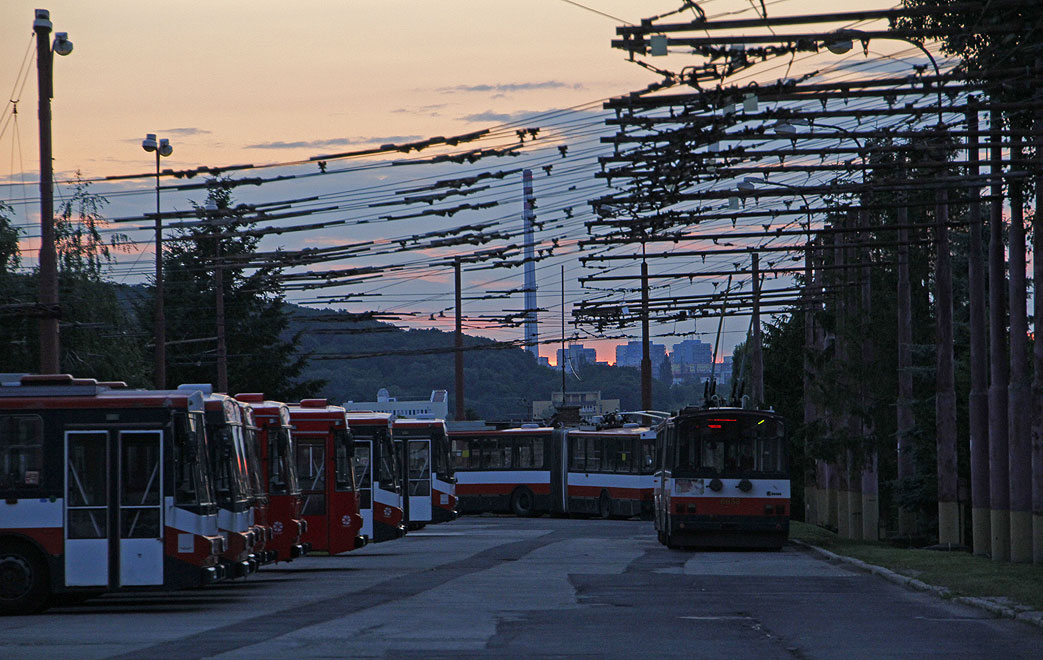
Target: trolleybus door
(99,529)
(311,470)
(364,482)
(419,477)
(141,507)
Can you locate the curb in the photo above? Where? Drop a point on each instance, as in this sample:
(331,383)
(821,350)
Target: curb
(1031,617)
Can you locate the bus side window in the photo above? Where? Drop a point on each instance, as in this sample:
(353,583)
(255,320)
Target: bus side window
(21,452)
(609,454)
(578,460)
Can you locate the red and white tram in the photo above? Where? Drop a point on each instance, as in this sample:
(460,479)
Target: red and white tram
(377,468)
(430,484)
(506,470)
(609,471)
(325,453)
(104,489)
(278,475)
(722,479)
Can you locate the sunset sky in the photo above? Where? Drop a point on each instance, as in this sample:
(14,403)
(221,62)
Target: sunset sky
(260,81)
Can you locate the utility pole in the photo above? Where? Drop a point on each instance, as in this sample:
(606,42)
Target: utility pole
(646,360)
(162,148)
(949,532)
(1019,394)
(1037,346)
(999,468)
(904,408)
(219,290)
(978,401)
(49,341)
(458,353)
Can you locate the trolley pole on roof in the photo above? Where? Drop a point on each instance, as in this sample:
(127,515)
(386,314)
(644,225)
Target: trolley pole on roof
(756,356)
(458,354)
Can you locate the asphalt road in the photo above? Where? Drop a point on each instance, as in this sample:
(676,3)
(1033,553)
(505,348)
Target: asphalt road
(503,587)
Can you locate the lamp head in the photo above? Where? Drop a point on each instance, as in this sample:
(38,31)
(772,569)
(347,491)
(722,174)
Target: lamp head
(43,20)
(149,143)
(62,45)
(165,148)
(840,46)
(746,186)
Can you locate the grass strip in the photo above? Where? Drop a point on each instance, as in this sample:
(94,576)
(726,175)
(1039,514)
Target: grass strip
(960,572)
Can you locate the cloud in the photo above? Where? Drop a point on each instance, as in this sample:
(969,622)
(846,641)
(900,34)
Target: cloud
(502,88)
(335,142)
(184,132)
(496,117)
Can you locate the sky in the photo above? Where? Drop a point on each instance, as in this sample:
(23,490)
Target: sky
(235,82)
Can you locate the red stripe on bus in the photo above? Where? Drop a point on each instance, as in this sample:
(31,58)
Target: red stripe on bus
(49,538)
(499,489)
(729,506)
(614,492)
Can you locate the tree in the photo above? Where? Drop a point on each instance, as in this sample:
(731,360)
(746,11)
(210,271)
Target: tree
(260,357)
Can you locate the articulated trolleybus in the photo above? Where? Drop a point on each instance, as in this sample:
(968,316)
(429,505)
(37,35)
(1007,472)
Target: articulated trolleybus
(608,470)
(104,489)
(722,479)
(505,470)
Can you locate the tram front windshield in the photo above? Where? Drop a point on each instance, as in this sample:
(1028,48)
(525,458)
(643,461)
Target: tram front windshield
(730,445)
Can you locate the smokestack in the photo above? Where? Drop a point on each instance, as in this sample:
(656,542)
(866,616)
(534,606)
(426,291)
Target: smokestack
(529,217)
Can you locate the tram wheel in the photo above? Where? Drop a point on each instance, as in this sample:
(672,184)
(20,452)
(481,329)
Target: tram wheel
(604,505)
(523,503)
(23,579)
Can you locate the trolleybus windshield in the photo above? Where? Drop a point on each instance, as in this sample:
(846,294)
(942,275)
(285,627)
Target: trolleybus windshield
(733,445)
(192,486)
(343,454)
(282,472)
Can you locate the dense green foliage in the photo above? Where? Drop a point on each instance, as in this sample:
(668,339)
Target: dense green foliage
(261,356)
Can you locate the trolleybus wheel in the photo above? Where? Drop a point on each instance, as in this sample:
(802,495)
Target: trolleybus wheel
(604,505)
(523,502)
(23,579)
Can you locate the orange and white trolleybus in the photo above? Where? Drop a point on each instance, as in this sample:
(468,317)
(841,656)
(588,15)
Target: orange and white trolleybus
(103,489)
(722,479)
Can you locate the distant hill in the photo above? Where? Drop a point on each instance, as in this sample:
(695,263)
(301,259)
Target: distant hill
(500,383)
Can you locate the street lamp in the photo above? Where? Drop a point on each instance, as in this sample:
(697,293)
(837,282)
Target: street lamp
(49,340)
(162,148)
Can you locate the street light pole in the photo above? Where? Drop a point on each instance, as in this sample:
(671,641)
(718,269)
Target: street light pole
(49,339)
(162,148)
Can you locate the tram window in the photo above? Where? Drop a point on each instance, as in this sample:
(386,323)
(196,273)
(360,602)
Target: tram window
(342,447)
(648,455)
(578,457)
(593,455)
(525,453)
(311,461)
(537,453)
(276,449)
(362,465)
(21,451)
(609,453)
(493,455)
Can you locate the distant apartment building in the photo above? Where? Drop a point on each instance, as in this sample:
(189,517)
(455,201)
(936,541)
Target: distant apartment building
(578,354)
(436,407)
(691,361)
(629,355)
(590,404)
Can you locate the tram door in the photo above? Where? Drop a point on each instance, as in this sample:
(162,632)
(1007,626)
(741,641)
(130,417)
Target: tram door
(364,483)
(419,469)
(311,468)
(113,508)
